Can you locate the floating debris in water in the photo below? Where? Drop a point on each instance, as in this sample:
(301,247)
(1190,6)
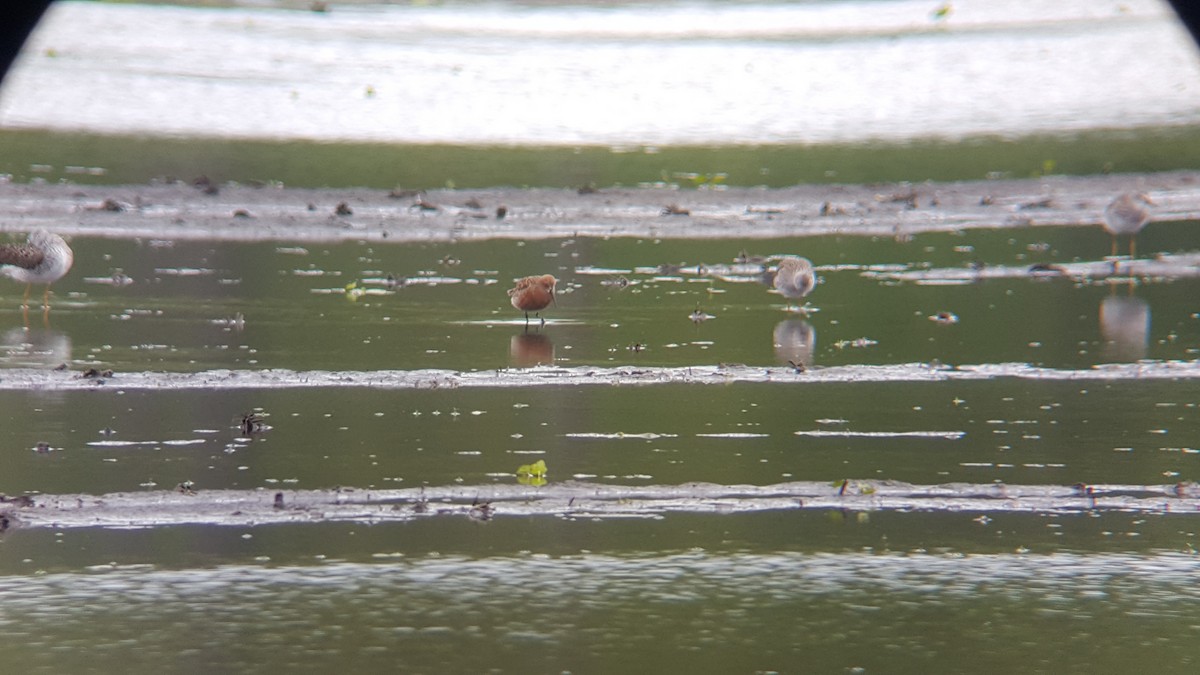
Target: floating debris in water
(859,343)
(1044,203)
(675,210)
(745,258)
(828,209)
(343,209)
(481,511)
(187,487)
(700,316)
(944,318)
(116,279)
(253,423)
(1047,269)
(93,373)
(237,322)
(110,205)
(21,502)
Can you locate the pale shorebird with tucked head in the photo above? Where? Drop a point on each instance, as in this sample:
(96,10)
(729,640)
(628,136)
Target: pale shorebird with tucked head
(43,259)
(794,278)
(533,294)
(1127,214)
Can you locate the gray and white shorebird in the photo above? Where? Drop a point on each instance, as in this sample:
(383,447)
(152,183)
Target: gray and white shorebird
(1127,214)
(43,259)
(794,278)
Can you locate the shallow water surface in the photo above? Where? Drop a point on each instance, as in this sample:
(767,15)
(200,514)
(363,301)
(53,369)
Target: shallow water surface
(707,611)
(962,298)
(943,453)
(257,432)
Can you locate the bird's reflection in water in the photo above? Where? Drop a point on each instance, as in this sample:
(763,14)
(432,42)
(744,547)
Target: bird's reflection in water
(531,349)
(795,340)
(1125,327)
(35,347)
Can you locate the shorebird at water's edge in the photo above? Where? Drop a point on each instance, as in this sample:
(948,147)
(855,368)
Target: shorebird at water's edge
(794,278)
(1127,214)
(533,294)
(43,259)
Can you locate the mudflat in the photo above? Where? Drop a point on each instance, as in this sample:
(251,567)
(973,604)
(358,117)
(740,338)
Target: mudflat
(202,210)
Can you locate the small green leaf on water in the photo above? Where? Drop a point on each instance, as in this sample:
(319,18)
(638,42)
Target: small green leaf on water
(537,469)
(532,474)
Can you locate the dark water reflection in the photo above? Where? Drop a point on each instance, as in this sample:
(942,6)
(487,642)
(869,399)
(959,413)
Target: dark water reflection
(532,349)
(795,340)
(1125,327)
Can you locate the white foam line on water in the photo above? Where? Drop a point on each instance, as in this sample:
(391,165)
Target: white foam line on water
(733,435)
(649,436)
(951,435)
(49,380)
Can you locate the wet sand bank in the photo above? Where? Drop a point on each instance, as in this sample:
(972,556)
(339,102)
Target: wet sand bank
(26,379)
(190,505)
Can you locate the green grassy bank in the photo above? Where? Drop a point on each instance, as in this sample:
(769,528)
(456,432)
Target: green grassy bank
(91,159)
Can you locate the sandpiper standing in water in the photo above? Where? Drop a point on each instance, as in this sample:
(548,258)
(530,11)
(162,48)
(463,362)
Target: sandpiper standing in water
(533,294)
(794,278)
(43,259)
(1127,214)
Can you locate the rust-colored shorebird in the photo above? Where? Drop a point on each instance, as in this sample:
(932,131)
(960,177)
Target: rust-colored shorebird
(794,278)
(43,259)
(1127,214)
(533,294)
